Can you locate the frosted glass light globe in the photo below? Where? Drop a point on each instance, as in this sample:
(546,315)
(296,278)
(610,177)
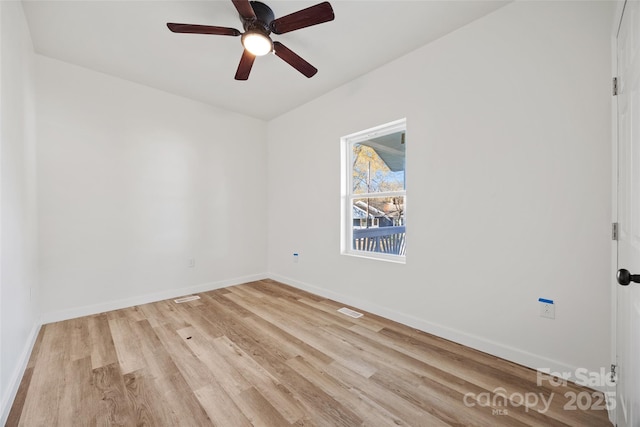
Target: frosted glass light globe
(257,43)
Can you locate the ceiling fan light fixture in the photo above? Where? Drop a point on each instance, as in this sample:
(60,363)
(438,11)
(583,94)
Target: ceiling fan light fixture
(257,43)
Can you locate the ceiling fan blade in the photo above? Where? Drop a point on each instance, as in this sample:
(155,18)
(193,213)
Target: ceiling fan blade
(294,60)
(244,9)
(202,29)
(322,12)
(244,68)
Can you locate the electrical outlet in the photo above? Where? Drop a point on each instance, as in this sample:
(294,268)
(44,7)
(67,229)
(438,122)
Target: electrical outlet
(191,262)
(547,308)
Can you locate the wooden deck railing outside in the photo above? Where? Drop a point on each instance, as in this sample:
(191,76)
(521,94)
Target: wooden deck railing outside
(388,240)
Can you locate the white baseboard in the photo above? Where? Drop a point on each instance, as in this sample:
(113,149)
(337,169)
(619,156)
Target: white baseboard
(88,310)
(530,360)
(16,378)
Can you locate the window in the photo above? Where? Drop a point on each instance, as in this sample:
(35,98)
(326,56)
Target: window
(374,192)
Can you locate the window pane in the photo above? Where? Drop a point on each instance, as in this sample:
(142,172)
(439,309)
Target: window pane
(379,225)
(378,164)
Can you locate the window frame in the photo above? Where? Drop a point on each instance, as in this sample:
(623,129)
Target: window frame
(348,196)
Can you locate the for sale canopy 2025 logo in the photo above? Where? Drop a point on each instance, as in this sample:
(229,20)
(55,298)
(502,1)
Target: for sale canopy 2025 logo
(500,400)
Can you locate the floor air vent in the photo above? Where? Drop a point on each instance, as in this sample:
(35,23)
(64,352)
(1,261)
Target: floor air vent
(186,299)
(349,312)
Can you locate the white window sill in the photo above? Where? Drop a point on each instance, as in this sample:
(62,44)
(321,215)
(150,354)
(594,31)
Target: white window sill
(396,259)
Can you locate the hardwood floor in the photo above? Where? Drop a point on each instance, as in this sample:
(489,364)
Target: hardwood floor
(266,354)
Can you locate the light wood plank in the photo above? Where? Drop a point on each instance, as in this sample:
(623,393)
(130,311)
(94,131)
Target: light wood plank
(221,407)
(267,354)
(103,352)
(114,408)
(126,344)
(273,390)
(47,381)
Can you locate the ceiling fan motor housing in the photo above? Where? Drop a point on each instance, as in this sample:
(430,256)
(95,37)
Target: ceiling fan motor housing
(264,16)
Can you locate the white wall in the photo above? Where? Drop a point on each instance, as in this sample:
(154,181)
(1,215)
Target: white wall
(133,182)
(18,273)
(508,180)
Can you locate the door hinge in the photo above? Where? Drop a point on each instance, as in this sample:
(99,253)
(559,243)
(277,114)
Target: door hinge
(613,373)
(615,86)
(614,231)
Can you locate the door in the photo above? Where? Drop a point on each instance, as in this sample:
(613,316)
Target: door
(628,296)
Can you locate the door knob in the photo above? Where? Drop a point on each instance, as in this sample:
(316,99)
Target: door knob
(624,277)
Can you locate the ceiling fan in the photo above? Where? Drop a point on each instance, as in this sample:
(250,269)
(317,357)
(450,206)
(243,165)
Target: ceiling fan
(258,22)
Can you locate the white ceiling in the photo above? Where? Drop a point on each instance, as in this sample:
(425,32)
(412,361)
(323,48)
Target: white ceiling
(129,39)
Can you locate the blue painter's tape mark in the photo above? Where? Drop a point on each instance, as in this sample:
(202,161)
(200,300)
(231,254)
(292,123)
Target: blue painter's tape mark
(546,301)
